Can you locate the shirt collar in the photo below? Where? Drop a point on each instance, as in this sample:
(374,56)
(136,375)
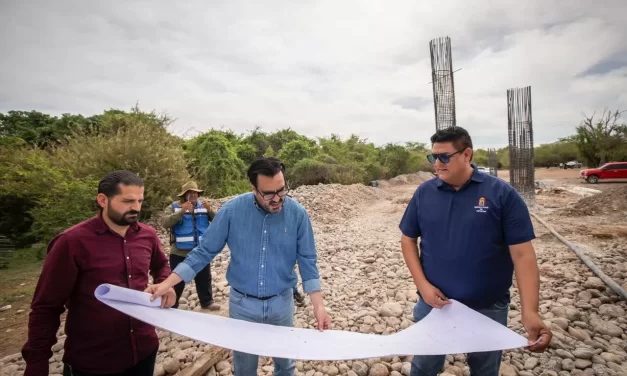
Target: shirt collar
(476,177)
(261,210)
(101,226)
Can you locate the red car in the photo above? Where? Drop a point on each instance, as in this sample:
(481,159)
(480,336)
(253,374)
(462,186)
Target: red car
(611,170)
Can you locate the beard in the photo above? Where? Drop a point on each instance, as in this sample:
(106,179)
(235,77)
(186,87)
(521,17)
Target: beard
(273,206)
(122,219)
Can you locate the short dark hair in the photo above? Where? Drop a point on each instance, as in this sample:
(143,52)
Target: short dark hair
(457,135)
(266,166)
(110,184)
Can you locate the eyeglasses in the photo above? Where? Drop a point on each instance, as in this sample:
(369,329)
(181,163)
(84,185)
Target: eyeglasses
(443,157)
(267,196)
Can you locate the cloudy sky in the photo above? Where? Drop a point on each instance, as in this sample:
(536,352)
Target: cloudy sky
(319,67)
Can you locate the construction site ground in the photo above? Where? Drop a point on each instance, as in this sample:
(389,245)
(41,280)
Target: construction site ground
(362,268)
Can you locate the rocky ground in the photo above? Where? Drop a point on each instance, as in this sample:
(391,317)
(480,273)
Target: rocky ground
(368,288)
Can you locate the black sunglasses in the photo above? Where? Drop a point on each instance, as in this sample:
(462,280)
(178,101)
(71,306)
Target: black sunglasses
(443,157)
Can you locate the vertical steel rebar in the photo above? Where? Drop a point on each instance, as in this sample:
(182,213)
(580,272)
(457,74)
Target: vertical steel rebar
(492,162)
(443,85)
(520,134)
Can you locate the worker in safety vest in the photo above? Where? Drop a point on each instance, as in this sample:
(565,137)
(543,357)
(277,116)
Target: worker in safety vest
(187,219)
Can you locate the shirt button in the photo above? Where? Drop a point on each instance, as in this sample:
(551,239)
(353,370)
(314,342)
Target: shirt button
(131,330)
(261,283)
(264,248)
(264,231)
(262,265)
(127,257)
(129,276)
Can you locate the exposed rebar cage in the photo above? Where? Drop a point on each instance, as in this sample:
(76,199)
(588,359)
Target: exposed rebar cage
(492,162)
(520,130)
(442,79)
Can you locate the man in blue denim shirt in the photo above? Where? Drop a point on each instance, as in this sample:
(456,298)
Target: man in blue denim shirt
(474,231)
(267,233)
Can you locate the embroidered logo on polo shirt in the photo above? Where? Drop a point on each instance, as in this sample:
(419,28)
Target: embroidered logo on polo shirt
(481,207)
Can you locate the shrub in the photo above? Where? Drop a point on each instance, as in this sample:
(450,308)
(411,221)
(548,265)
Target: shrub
(139,146)
(214,164)
(308,172)
(347,173)
(40,200)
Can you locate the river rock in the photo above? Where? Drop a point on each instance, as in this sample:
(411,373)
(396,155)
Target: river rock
(391,309)
(531,363)
(606,327)
(378,369)
(611,310)
(360,368)
(582,363)
(594,283)
(570,313)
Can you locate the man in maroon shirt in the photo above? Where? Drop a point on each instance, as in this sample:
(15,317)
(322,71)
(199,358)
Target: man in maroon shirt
(112,247)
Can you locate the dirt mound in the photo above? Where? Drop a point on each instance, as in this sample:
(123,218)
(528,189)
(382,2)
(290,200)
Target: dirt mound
(329,203)
(609,202)
(416,178)
(334,202)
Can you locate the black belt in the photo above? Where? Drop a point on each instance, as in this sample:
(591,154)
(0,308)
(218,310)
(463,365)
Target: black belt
(254,297)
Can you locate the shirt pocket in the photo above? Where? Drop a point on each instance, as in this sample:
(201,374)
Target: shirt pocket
(141,255)
(286,237)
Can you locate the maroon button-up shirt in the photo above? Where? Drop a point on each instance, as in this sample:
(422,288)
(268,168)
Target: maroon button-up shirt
(99,339)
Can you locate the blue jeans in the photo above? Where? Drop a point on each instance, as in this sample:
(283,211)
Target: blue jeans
(278,310)
(481,363)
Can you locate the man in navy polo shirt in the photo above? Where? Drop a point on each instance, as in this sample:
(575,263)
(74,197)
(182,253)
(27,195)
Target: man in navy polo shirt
(474,231)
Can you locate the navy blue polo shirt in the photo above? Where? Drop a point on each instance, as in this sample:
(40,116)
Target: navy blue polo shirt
(465,234)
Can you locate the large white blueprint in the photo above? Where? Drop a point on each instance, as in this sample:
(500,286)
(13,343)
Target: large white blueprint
(453,329)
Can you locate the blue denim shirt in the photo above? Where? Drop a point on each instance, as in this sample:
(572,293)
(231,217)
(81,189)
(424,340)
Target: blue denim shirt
(264,247)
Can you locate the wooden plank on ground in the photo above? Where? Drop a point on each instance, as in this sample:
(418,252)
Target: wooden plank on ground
(215,354)
(203,364)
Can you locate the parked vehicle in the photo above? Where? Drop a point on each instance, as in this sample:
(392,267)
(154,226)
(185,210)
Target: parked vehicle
(482,169)
(572,164)
(611,170)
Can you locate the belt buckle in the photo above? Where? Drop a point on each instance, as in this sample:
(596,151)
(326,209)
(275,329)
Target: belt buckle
(243,293)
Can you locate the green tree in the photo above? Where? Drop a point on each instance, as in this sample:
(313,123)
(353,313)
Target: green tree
(39,200)
(213,162)
(551,155)
(283,136)
(309,172)
(399,160)
(136,142)
(269,152)
(602,140)
(258,139)
(480,157)
(297,150)
(246,152)
(42,130)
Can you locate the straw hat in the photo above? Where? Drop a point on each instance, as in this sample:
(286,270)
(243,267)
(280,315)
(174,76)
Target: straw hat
(189,186)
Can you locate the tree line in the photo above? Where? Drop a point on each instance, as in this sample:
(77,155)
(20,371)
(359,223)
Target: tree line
(50,166)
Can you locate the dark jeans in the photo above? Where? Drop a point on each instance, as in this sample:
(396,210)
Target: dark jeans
(481,363)
(202,279)
(144,367)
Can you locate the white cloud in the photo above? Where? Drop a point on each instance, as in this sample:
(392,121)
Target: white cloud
(318,67)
